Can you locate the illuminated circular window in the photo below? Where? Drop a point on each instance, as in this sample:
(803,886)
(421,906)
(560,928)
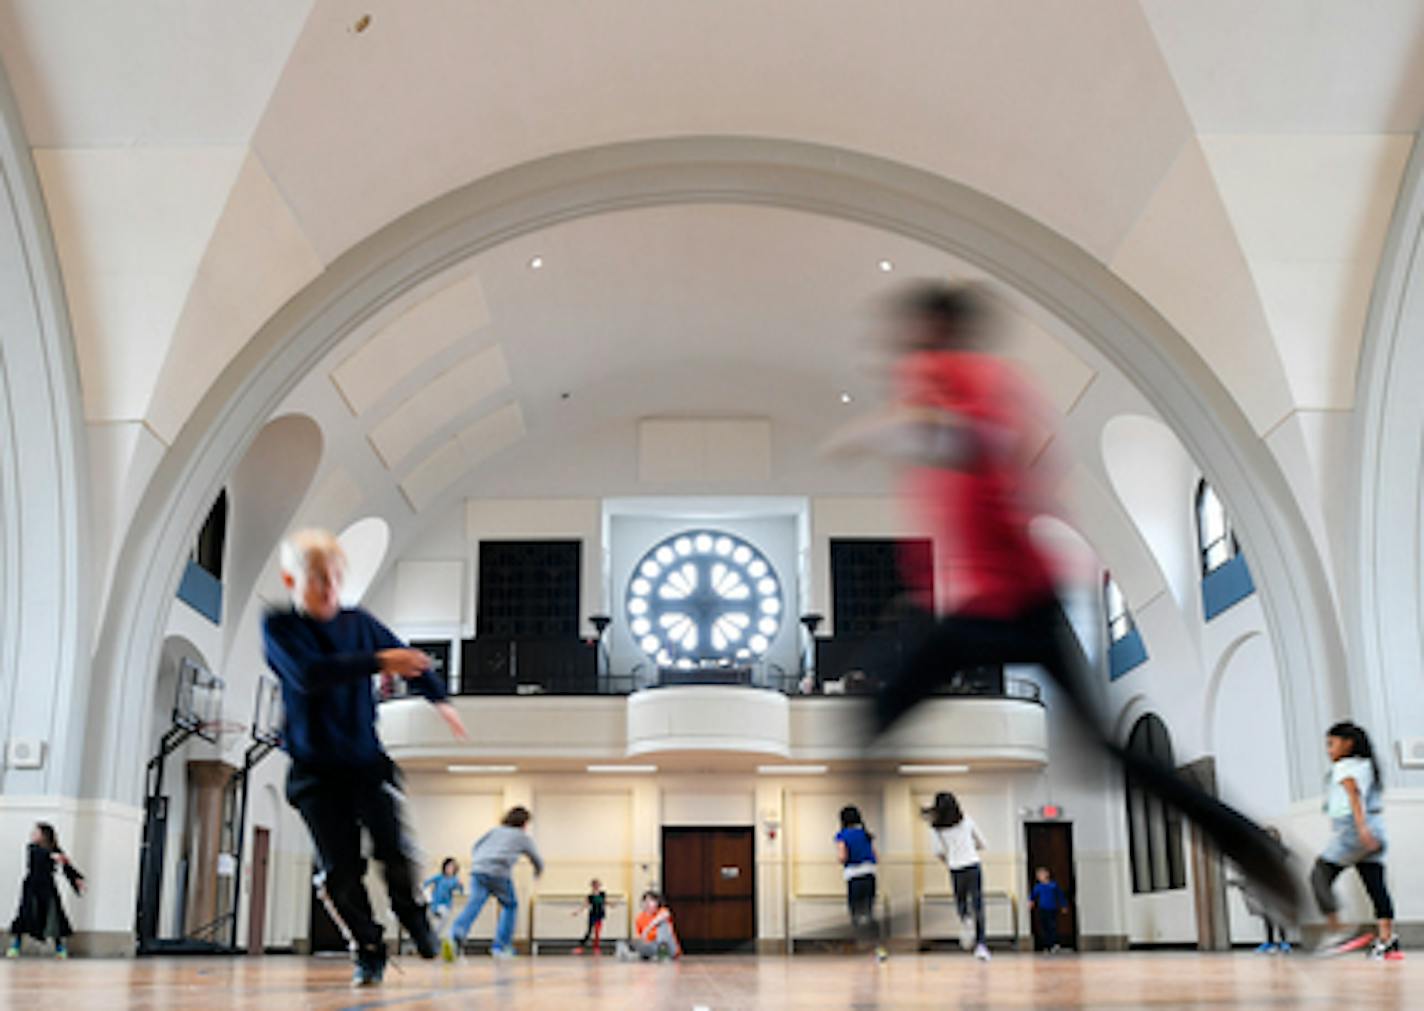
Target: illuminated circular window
(703,595)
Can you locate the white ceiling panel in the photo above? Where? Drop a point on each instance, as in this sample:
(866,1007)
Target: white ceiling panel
(405,344)
(92,73)
(453,393)
(456,458)
(1295,66)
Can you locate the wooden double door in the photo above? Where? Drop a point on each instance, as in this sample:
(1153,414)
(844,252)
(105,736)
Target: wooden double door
(709,880)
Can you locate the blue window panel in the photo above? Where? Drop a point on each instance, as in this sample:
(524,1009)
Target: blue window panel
(1227,585)
(202,591)
(1125,654)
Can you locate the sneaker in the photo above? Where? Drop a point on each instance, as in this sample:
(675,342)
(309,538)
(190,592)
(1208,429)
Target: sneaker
(61,952)
(1267,948)
(370,967)
(502,954)
(881,953)
(966,933)
(1382,951)
(1284,948)
(1342,942)
(981,952)
(578,949)
(624,953)
(447,950)
(13,951)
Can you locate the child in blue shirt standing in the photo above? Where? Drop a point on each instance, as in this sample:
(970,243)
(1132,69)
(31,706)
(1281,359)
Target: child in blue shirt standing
(443,888)
(1048,903)
(856,849)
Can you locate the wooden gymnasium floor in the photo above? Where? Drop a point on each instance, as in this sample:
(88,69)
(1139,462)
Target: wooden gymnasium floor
(1134,980)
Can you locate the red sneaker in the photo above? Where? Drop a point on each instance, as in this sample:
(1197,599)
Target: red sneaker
(1342,943)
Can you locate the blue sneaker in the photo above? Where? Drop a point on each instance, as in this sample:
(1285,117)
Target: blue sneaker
(1267,948)
(1284,948)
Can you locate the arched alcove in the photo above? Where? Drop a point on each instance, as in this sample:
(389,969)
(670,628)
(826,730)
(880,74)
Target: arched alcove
(265,490)
(1244,727)
(1062,278)
(1153,477)
(365,543)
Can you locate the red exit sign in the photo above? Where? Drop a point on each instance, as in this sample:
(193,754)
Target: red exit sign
(1050,812)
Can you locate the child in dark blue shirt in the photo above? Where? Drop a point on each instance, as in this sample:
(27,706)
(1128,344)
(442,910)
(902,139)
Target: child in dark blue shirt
(856,849)
(1048,903)
(341,780)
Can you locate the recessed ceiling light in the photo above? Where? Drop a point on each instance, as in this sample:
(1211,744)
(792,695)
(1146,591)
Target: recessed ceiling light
(536,262)
(791,770)
(483,770)
(627,769)
(846,397)
(933,770)
(886,266)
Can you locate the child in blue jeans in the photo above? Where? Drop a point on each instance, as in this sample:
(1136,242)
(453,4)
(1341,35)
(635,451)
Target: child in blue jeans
(491,863)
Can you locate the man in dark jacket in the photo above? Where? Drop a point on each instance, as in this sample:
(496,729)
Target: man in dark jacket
(341,780)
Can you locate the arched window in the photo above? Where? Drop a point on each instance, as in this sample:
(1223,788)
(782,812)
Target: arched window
(1120,623)
(1154,830)
(1126,649)
(1215,539)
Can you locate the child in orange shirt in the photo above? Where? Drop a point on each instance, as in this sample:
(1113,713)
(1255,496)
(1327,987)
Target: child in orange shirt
(653,933)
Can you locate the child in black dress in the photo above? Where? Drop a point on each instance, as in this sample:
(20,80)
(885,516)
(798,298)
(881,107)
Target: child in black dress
(41,914)
(596,905)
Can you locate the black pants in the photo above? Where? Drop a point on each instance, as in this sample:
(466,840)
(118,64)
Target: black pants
(1041,635)
(1047,928)
(1322,882)
(336,806)
(968,885)
(1274,934)
(860,897)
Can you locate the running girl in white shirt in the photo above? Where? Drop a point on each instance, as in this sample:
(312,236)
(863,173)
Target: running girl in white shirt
(957,842)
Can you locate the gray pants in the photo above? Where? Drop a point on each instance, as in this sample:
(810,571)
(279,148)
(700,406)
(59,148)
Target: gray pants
(649,949)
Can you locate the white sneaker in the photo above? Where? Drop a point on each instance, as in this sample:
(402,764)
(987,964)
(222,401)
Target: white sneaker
(624,953)
(501,954)
(982,953)
(966,933)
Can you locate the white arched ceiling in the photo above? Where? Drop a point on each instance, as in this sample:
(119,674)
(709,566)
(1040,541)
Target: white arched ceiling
(1154,478)
(1058,276)
(365,543)
(263,494)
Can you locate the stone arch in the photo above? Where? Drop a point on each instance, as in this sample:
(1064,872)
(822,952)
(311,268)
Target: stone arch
(1041,264)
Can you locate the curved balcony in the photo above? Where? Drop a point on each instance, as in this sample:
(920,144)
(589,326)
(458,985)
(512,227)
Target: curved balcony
(728,726)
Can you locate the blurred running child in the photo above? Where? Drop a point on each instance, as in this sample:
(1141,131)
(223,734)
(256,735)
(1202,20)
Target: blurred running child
(1048,903)
(492,861)
(596,905)
(653,933)
(443,888)
(855,848)
(982,463)
(1355,804)
(957,842)
(41,914)
(341,780)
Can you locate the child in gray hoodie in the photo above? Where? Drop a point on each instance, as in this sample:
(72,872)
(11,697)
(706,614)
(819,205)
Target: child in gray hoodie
(491,863)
